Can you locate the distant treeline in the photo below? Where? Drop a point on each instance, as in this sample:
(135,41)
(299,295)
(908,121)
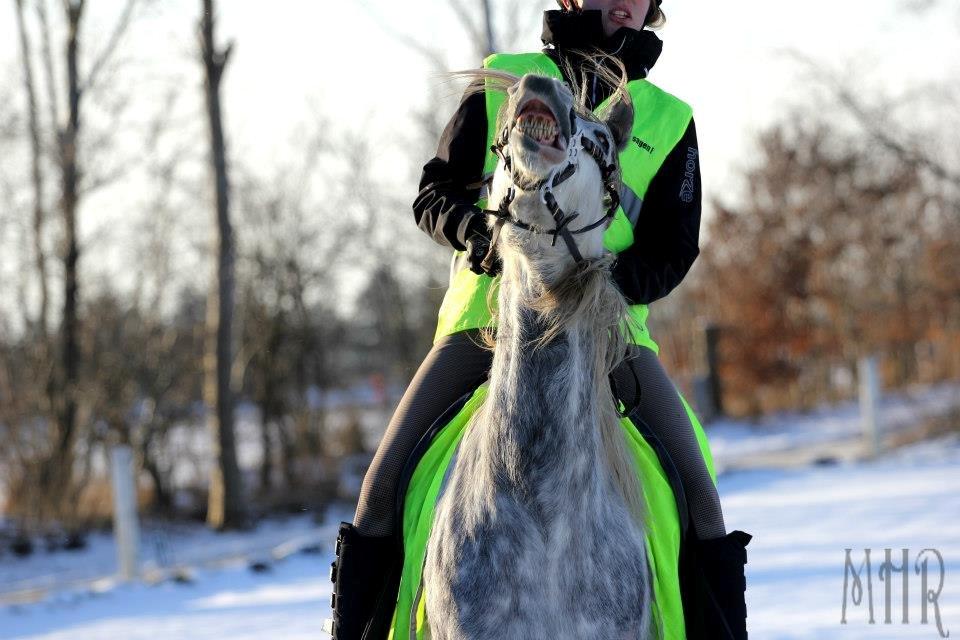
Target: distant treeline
(844,246)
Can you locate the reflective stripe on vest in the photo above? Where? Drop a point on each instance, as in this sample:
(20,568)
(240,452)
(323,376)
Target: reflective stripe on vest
(660,120)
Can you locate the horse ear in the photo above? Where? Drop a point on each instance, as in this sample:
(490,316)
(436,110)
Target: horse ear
(620,121)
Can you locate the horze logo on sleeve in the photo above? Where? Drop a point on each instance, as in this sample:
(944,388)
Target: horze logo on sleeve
(687,189)
(854,579)
(643,145)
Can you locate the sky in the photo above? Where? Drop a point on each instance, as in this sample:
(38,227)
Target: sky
(735,70)
(347,65)
(295,61)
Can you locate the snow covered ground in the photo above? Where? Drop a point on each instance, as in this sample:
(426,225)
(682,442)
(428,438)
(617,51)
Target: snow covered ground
(802,521)
(164,546)
(738,443)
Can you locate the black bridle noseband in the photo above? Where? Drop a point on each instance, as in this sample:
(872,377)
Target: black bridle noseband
(561,173)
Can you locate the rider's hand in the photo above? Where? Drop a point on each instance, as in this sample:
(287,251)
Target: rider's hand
(477,247)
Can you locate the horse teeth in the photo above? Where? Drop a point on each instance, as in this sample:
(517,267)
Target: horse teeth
(538,127)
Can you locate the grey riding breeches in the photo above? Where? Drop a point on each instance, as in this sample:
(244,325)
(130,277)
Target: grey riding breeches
(458,363)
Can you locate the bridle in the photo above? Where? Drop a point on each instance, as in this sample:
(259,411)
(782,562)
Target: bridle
(602,153)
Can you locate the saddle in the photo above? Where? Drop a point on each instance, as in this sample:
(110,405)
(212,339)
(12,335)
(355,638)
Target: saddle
(671,551)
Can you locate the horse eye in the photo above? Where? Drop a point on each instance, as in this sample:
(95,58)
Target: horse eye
(604,141)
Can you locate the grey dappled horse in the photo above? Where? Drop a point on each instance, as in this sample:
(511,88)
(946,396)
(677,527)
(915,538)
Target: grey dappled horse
(540,531)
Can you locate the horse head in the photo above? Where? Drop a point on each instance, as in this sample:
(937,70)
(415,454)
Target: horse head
(558,177)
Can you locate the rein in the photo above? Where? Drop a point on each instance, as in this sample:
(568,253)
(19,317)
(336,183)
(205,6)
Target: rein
(545,186)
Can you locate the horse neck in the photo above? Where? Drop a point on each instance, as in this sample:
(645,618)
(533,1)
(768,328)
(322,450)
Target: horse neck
(541,407)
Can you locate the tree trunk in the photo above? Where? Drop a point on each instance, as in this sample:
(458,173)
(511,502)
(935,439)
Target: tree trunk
(64,392)
(490,44)
(162,500)
(36,153)
(266,465)
(225,507)
(287,455)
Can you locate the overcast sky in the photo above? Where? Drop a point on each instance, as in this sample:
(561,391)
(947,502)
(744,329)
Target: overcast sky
(296,61)
(732,68)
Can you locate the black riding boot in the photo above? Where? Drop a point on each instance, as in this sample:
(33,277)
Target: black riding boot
(718,610)
(364,568)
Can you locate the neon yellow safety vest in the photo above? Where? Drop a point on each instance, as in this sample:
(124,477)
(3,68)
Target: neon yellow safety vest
(660,120)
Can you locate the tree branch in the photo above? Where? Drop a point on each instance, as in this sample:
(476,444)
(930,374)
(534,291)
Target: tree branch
(47,57)
(870,123)
(118,30)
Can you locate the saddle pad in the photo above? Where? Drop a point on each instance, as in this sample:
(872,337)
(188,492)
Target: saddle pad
(663,527)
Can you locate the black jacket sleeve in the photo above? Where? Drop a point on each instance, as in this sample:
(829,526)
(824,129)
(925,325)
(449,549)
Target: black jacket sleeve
(666,233)
(445,209)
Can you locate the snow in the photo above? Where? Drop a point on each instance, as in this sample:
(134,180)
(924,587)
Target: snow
(288,602)
(738,443)
(802,521)
(165,546)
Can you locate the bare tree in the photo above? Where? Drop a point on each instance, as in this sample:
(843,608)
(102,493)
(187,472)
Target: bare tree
(225,508)
(58,375)
(876,114)
(296,241)
(493,26)
(67,137)
(37,178)
(876,122)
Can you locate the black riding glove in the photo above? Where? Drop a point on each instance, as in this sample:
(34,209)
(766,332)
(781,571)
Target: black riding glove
(478,245)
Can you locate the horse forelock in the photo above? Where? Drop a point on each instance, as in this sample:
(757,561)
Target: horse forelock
(487,81)
(607,69)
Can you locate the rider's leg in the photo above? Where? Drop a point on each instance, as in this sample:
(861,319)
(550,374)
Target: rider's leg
(714,599)
(367,549)
(454,365)
(661,409)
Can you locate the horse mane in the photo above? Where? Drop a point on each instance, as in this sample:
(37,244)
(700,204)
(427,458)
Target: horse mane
(585,295)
